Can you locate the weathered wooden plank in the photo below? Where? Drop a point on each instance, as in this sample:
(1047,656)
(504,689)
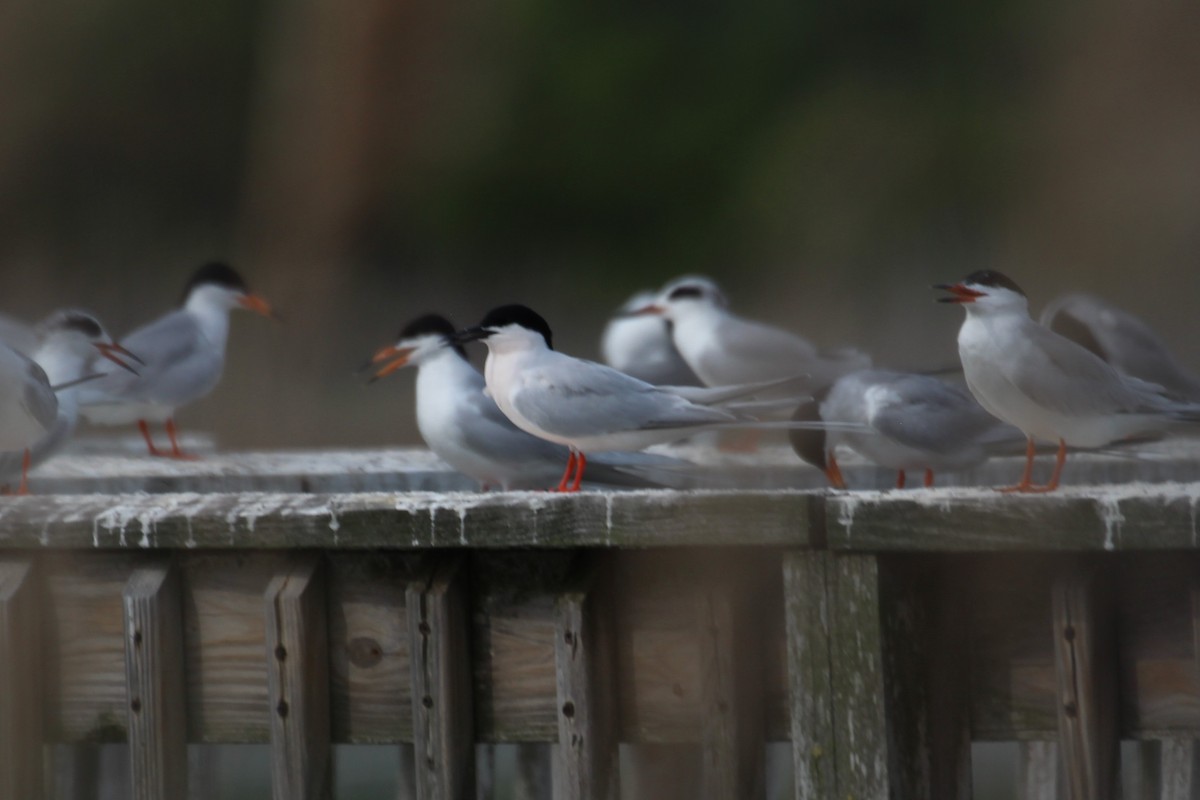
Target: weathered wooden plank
(732,743)
(154,680)
(860,749)
(1087,690)
(585,654)
(369,639)
(224,635)
(944,652)
(297,657)
(21,667)
(441,677)
(409,521)
(810,685)
(1167,770)
(86,697)
(1104,518)
(1038,774)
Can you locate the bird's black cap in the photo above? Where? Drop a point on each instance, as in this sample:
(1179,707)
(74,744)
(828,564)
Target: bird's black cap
(79,321)
(516,314)
(215,273)
(990,277)
(432,325)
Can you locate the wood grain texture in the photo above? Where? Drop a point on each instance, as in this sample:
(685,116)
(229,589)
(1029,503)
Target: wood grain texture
(154,680)
(806,599)
(297,658)
(1038,773)
(586,687)
(444,737)
(369,639)
(1085,657)
(1167,770)
(732,744)
(410,520)
(1103,518)
(21,732)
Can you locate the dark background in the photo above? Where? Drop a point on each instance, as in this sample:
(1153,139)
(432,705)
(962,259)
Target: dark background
(365,162)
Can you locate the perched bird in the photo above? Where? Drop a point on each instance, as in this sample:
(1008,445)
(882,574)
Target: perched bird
(184,355)
(587,407)
(640,345)
(724,349)
(1122,339)
(67,344)
(29,408)
(466,429)
(912,421)
(1047,385)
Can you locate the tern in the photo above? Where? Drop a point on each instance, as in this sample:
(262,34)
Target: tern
(913,422)
(1122,339)
(466,429)
(1047,385)
(725,349)
(585,406)
(184,355)
(641,346)
(31,414)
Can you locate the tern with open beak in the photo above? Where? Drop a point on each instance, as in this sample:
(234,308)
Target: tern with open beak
(1047,385)
(184,355)
(465,428)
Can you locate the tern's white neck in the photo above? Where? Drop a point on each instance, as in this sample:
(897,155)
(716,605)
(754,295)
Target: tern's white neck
(64,358)
(442,378)
(210,306)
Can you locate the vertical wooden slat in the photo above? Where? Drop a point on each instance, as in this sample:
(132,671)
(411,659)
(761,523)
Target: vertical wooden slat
(1084,655)
(1167,770)
(1037,771)
(585,654)
(441,675)
(20,683)
(810,690)
(945,650)
(298,682)
(155,683)
(732,747)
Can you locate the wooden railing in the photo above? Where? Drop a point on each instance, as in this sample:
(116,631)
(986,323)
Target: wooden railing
(881,633)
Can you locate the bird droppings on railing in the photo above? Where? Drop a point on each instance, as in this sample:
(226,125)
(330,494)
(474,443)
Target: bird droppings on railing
(1110,513)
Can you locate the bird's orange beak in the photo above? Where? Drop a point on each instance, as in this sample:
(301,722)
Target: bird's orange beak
(653,308)
(958,293)
(396,357)
(257,304)
(113,352)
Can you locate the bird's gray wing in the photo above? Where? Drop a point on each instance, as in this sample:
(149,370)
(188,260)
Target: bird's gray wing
(926,414)
(760,349)
(38,399)
(171,348)
(582,398)
(1064,377)
(486,430)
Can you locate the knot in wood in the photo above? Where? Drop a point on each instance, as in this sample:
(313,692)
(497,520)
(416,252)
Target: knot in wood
(568,709)
(427,701)
(280,652)
(282,709)
(135,705)
(137,638)
(1070,709)
(364,652)
(1069,633)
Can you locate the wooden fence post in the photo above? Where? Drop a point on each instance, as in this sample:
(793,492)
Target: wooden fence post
(810,691)
(21,667)
(1085,662)
(443,729)
(155,683)
(297,655)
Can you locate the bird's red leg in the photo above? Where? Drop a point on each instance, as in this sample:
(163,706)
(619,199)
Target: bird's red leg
(901,479)
(1059,461)
(175,451)
(580,464)
(928,479)
(834,473)
(1026,484)
(145,429)
(26,461)
(562,484)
